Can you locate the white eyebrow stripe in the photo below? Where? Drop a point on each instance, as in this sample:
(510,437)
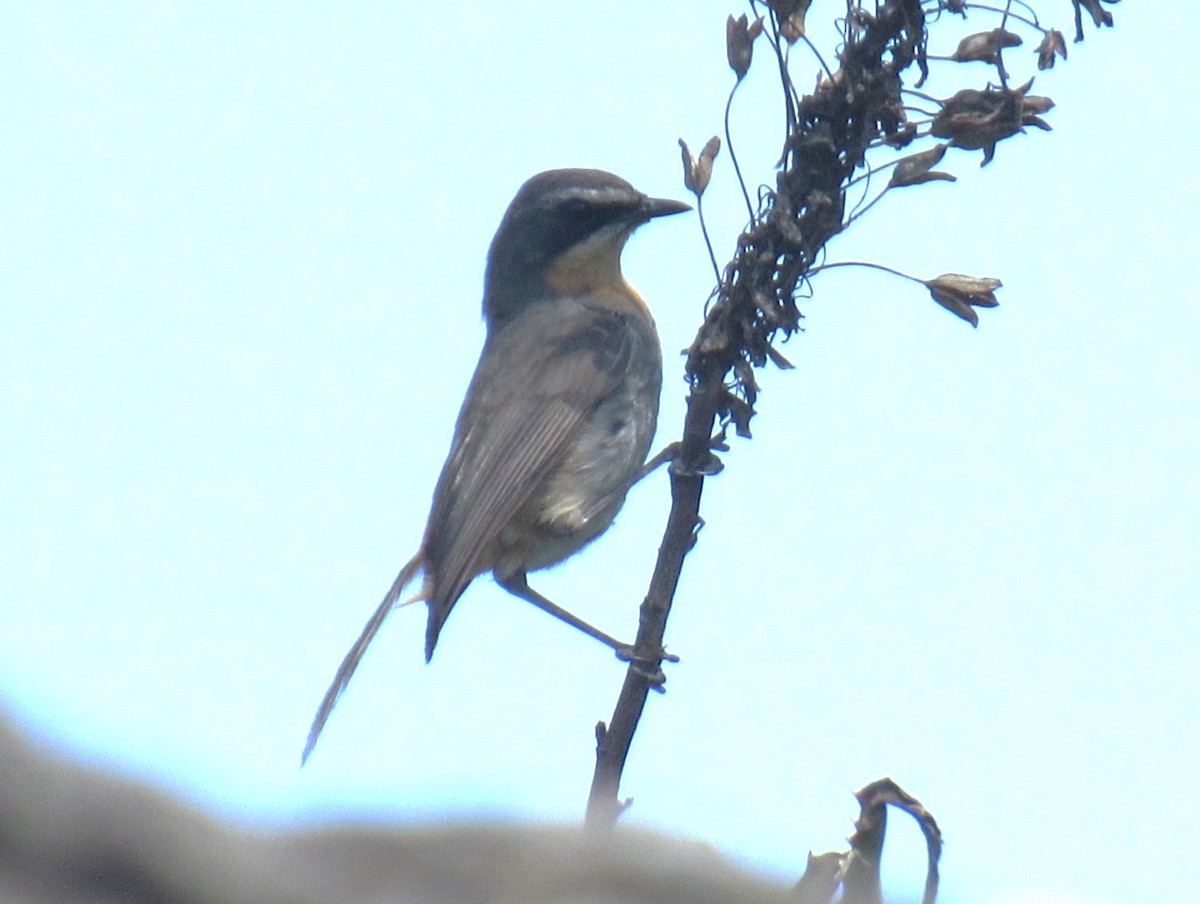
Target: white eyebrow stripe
(605,195)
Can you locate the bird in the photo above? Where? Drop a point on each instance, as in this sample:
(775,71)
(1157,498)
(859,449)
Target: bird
(559,416)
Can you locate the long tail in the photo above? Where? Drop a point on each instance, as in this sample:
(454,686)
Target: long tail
(350,663)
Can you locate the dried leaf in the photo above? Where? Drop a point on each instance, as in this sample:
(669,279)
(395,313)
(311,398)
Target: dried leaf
(861,880)
(901,138)
(704,165)
(821,879)
(1100,16)
(918,168)
(1035,103)
(778,359)
(985,46)
(1053,44)
(689,167)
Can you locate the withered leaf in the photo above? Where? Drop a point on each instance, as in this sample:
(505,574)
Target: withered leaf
(918,168)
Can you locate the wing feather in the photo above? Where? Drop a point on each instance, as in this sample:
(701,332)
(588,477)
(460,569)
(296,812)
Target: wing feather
(538,382)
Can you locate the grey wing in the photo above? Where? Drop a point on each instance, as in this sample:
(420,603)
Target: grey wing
(537,384)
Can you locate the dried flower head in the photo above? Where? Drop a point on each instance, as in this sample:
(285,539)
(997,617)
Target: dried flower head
(1053,44)
(739,43)
(697,172)
(960,294)
(790,14)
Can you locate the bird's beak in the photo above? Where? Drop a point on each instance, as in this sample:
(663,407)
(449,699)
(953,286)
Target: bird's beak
(662,207)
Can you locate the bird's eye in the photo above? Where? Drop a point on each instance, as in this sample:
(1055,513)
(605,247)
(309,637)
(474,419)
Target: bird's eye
(575,207)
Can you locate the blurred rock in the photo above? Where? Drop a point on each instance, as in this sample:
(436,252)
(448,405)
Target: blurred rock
(69,833)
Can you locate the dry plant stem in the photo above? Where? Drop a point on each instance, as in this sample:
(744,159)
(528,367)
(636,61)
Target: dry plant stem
(707,241)
(737,169)
(828,134)
(687,483)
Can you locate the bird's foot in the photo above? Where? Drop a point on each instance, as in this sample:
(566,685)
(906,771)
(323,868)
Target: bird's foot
(646,664)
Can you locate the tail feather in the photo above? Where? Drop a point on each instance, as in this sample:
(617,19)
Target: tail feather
(350,663)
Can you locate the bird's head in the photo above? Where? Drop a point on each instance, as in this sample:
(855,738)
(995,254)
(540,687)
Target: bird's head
(563,234)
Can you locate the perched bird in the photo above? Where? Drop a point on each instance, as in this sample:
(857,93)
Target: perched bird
(561,410)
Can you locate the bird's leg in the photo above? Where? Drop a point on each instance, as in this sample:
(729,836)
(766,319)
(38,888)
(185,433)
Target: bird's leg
(709,467)
(667,454)
(518,586)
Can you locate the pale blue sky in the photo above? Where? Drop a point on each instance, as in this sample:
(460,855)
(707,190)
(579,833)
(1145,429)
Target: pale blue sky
(241,253)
